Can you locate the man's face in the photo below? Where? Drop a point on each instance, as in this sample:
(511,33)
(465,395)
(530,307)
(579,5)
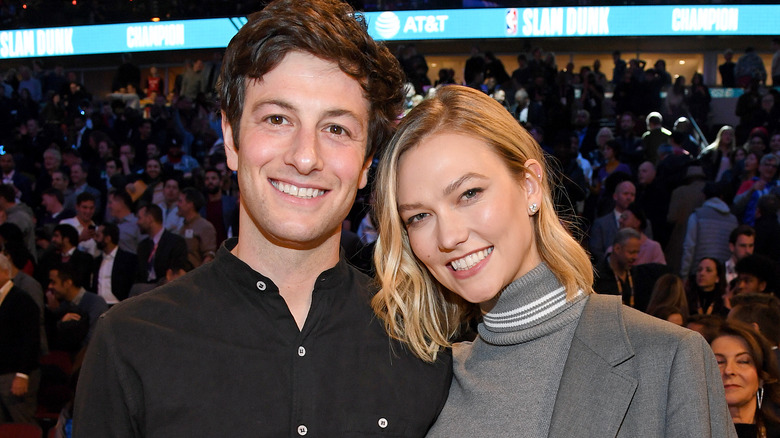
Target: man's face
(49,161)
(301,159)
(212,182)
(77,175)
(126,151)
(171,191)
(627,253)
(56,240)
(152,151)
(743,247)
(768,168)
(59,182)
(111,169)
(627,123)
(49,202)
(114,206)
(748,283)
(99,238)
(6,163)
(145,130)
(57,285)
(646,173)
(185,207)
(144,221)
(85,210)
(625,193)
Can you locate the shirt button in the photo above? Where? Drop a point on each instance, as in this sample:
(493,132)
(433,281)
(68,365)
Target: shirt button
(260,285)
(301,351)
(302,430)
(382,422)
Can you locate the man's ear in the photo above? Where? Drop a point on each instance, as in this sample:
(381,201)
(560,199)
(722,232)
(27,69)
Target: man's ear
(364,173)
(231,149)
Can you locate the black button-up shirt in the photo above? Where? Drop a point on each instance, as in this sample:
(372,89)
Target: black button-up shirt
(218,354)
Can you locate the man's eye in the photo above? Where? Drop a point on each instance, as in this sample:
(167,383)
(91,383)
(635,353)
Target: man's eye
(336,129)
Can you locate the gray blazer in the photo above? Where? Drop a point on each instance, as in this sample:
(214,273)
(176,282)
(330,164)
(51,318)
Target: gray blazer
(630,375)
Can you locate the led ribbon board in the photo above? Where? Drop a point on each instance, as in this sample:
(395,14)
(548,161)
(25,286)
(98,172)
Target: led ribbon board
(447,24)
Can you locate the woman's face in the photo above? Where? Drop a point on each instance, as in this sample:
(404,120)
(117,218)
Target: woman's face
(757,145)
(727,137)
(739,374)
(467,216)
(707,274)
(751,162)
(739,155)
(153,168)
(608,153)
(629,220)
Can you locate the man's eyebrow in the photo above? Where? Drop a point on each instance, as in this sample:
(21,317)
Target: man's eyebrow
(275,102)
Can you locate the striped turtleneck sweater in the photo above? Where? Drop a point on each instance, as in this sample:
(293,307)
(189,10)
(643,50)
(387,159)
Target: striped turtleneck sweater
(505,382)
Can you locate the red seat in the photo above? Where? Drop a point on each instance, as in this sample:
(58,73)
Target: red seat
(19,430)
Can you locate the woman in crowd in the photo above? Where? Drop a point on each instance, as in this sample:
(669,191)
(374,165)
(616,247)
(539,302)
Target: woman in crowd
(612,164)
(650,251)
(750,379)
(716,158)
(669,292)
(467,224)
(707,287)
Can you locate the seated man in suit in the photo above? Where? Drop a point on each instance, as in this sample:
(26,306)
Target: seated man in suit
(63,249)
(160,249)
(68,300)
(114,270)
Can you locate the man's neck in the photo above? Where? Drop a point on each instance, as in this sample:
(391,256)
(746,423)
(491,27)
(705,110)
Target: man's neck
(617,267)
(293,270)
(213,197)
(109,248)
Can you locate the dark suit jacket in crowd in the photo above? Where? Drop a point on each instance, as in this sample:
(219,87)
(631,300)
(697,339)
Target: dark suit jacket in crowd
(122,273)
(81,262)
(19,333)
(171,247)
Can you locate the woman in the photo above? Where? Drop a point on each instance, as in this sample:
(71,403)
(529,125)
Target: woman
(750,378)
(705,295)
(669,291)
(650,251)
(612,164)
(467,223)
(716,158)
(698,100)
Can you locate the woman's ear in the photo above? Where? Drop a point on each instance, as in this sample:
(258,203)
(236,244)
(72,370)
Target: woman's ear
(533,185)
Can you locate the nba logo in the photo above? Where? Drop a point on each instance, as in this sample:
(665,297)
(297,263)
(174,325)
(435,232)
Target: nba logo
(511,21)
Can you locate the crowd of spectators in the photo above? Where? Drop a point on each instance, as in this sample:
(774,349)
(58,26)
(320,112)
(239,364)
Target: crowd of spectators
(104,198)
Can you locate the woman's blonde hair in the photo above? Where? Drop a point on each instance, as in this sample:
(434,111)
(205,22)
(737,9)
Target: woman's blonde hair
(415,308)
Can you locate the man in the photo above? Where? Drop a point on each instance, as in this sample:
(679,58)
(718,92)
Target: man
(741,244)
(83,223)
(755,274)
(63,249)
(321,364)
(61,182)
(619,274)
(71,301)
(708,229)
(53,211)
(179,160)
(23,184)
(170,206)
(119,206)
(19,346)
(684,200)
(221,210)
(749,67)
(655,136)
(627,140)
(727,78)
(603,231)
(17,253)
(199,233)
(78,179)
(157,252)
(114,269)
(18,214)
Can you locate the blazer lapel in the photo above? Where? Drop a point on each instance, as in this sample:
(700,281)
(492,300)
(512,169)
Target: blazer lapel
(594,395)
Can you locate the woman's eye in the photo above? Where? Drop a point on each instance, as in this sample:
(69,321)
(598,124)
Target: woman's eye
(471,193)
(416,218)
